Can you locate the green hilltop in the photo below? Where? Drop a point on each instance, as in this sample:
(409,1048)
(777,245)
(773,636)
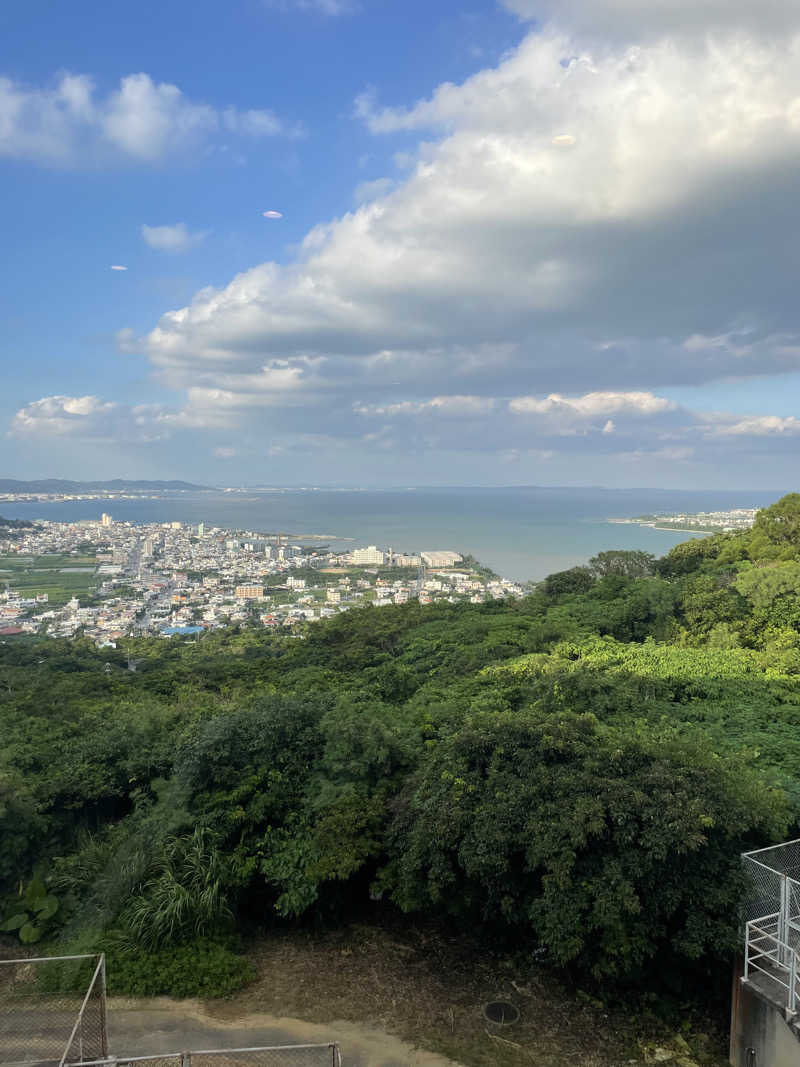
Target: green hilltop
(577,771)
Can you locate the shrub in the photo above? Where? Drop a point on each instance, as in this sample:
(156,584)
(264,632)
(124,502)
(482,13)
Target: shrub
(199,968)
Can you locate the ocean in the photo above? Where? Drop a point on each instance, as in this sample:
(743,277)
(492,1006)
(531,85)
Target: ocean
(523,533)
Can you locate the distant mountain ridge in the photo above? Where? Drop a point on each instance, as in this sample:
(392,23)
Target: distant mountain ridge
(61,485)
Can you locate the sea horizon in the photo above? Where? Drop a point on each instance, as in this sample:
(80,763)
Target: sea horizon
(523,533)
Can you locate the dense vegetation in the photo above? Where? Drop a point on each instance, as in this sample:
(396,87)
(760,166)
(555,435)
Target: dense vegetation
(577,771)
(12,527)
(15,524)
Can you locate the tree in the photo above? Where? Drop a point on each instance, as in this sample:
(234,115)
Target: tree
(605,846)
(776,530)
(763,585)
(704,604)
(574,580)
(689,556)
(629,564)
(23,829)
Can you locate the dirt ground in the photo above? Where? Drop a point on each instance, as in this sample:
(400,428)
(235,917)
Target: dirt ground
(147,1027)
(429,988)
(408,995)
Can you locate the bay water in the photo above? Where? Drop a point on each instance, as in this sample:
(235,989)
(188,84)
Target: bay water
(523,533)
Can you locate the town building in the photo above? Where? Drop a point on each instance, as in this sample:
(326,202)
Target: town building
(249,592)
(440,558)
(366,556)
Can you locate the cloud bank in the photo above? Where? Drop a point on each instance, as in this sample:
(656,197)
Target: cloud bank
(88,418)
(599,217)
(71,124)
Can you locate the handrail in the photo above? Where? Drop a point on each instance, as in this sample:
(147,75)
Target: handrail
(185,1057)
(777,956)
(50,959)
(258,1048)
(770,848)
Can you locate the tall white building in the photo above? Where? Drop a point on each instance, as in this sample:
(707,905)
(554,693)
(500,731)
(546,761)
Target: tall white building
(106,520)
(440,559)
(368,555)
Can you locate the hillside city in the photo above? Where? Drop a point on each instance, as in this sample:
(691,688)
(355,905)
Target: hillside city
(108,579)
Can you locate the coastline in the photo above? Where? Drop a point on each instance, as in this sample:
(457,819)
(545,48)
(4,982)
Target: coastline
(698,531)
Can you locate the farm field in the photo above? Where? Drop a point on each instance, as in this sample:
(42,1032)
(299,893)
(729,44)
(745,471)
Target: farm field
(60,576)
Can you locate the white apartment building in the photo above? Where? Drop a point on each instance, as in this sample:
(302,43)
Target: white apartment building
(440,558)
(401,559)
(368,555)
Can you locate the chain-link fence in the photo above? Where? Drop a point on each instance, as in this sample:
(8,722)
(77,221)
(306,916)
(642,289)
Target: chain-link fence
(274,1056)
(772,922)
(326,1055)
(53,1014)
(49,1006)
(163,1059)
(88,1040)
(764,889)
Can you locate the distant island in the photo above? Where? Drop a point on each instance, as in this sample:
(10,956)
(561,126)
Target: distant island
(701,522)
(61,485)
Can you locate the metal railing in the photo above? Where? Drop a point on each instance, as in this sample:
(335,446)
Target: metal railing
(325,1055)
(767,954)
(772,922)
(52,1006)
(53,1014)
(88,1039)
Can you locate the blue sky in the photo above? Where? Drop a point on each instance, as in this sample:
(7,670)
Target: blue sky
(519,241)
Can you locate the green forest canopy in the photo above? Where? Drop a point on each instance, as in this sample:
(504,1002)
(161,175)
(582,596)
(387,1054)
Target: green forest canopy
(580,768)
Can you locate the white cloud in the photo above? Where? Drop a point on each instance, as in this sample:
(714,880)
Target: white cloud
(582,226)
(117,266)
(175,238)
(591,405)
(500,239)
(127,341)
(71,124)
(437,405)
(225,452)
(754,426)
(318,7)
(648,455)
(372,190)
(90,418)
(640,19)
(252,123)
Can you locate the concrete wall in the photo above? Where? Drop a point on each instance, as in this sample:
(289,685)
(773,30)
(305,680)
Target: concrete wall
(760,1035)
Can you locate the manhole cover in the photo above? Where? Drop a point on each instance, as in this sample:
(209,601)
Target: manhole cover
(501,1012)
